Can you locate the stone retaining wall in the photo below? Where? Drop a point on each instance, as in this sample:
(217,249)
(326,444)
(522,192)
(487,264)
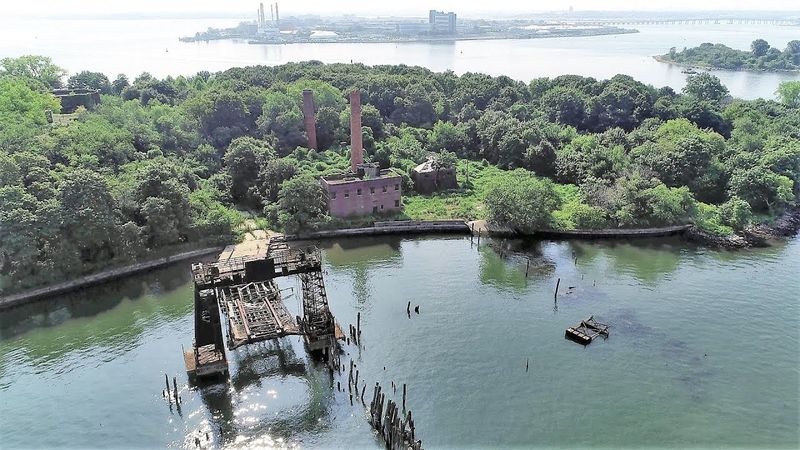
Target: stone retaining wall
(100,277)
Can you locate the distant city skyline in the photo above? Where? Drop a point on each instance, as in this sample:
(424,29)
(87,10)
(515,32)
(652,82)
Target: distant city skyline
(408,7)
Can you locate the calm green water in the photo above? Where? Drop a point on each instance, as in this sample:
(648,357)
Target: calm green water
(703,353)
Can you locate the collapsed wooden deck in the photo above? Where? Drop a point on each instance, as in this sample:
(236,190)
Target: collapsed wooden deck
(204,361)
(585,332)
(255,313)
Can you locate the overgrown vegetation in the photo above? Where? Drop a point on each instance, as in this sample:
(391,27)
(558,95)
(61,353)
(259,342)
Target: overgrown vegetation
(171,162)
(761,57)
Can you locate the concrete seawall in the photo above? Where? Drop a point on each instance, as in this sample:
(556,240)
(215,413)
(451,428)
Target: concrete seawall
(100,277)
(614,233)
(480,226)
(390,227)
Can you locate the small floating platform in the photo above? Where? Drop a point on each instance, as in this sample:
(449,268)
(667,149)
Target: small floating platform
(205,361)
(587,331)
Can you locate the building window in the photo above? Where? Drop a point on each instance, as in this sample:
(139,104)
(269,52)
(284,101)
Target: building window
(381,206)
(397,203)
(372,190)
(346,194)
(396,187)
(333,195)
(374,209)
(384,188)
(358,191)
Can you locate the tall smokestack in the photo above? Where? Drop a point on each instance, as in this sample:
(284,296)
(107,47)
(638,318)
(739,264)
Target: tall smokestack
(260,15)
(356,145)
(277,18)
(271,12)
(308,118)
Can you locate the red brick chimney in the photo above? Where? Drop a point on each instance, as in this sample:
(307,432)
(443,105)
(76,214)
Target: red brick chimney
(356,145)
(308,118)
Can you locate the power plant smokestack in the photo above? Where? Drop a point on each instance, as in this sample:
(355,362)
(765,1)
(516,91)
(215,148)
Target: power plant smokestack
(308,118)
(356,144)
(271,12)
(277,18)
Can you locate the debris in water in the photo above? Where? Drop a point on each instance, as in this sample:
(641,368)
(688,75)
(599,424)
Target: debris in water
(586,331)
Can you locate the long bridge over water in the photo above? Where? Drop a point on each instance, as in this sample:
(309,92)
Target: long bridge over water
(691,21)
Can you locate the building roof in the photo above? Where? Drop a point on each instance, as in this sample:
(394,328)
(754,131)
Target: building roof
(427,166)
(354,178)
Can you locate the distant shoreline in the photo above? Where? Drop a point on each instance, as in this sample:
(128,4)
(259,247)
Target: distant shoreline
(662,59)
(326,40)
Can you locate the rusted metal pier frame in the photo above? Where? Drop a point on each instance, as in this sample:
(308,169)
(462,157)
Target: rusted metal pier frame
(239,297)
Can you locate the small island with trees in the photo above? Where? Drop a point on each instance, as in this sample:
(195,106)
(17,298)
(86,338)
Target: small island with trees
(162,164)
(761,57)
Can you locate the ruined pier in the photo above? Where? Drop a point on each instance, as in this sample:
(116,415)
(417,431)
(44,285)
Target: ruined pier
(237,302)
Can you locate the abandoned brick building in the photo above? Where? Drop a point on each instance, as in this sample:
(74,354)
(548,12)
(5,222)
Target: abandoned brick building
(428,178)
(365,189)
(72,98)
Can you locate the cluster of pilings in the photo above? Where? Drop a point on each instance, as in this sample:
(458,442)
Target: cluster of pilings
(354,334)
(172,395)
(397,430)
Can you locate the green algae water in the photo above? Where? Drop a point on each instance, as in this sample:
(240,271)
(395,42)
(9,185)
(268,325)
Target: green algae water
(703,352)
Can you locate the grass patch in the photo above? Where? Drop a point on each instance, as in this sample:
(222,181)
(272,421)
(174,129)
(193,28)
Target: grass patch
(474,177)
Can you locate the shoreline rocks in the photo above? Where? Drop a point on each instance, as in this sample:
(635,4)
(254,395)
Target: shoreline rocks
(759,235)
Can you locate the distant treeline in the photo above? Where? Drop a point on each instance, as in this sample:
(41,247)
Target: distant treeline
(761,57)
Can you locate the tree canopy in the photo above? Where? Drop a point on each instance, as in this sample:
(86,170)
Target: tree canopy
(36,69)
(174,161)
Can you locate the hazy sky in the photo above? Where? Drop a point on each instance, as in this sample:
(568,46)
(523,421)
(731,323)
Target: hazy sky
(405,7)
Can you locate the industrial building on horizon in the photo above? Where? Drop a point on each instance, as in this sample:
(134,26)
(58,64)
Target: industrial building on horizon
(265,27)
(441,22)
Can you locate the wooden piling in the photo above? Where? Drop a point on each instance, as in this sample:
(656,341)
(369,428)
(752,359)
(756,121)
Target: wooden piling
(166,380)
(175,385)
(358,325)
(404,396)
(372,402)
(527,266)
(397,430)
(558,283)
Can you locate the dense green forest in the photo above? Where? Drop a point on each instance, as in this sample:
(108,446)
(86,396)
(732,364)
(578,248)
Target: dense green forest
(176,161)
(761,57)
